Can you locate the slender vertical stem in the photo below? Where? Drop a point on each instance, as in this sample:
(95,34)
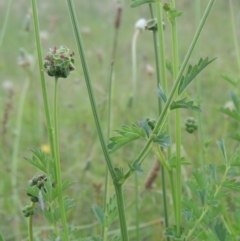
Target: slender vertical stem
(30,225)
(5,22)
(89,86)
(107,180)
(118,188)
(110,97)
(43,83)
(235,39)
(199,84)
(159,110)
(57,163)
(177,125)
(121,212)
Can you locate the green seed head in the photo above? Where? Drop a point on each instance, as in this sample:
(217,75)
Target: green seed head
(59,62)
(28,211)
(37,181)
(191,125)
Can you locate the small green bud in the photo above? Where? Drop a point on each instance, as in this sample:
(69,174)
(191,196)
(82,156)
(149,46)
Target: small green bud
(151,122)
(59,62)
(191,125)
(28,211)
(39,182)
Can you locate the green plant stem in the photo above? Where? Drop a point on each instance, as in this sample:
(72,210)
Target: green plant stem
(155,44)
(118,188)
(137,237)
(155,41)
(121,212)
(30,225)
(57,164)
(173,192)
(235,39)
(199,85)
(177,125)
(162,118)
(228,223)
(43,83)
(5,22)
(89,86)
(107,181)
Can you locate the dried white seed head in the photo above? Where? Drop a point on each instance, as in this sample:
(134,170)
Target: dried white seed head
(229,105)
(141,24)
(7,85)
(149,69)
(44,36)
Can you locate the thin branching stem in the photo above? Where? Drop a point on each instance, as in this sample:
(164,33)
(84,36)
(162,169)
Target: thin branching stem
(164,114)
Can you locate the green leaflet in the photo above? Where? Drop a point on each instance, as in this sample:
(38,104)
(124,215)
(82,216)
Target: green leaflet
(192,72)
(162,139)
(235,159)
(220,231)
(184,104)
(126,135)
(99,213)
(221,146)
(111,212)
(161,94)
(40,160)
(231,184)
(230,79)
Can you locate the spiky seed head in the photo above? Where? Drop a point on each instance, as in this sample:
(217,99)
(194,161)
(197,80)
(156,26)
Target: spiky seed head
(59,62)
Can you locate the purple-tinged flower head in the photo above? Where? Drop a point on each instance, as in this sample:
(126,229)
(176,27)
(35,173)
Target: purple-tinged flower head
(59,62)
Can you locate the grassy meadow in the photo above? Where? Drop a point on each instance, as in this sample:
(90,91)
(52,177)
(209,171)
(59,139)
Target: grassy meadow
(23,123)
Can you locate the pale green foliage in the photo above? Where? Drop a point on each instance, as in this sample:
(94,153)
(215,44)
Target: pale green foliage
(40,160)
(191,74)
(107,218)
(183,103)
(126,135)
